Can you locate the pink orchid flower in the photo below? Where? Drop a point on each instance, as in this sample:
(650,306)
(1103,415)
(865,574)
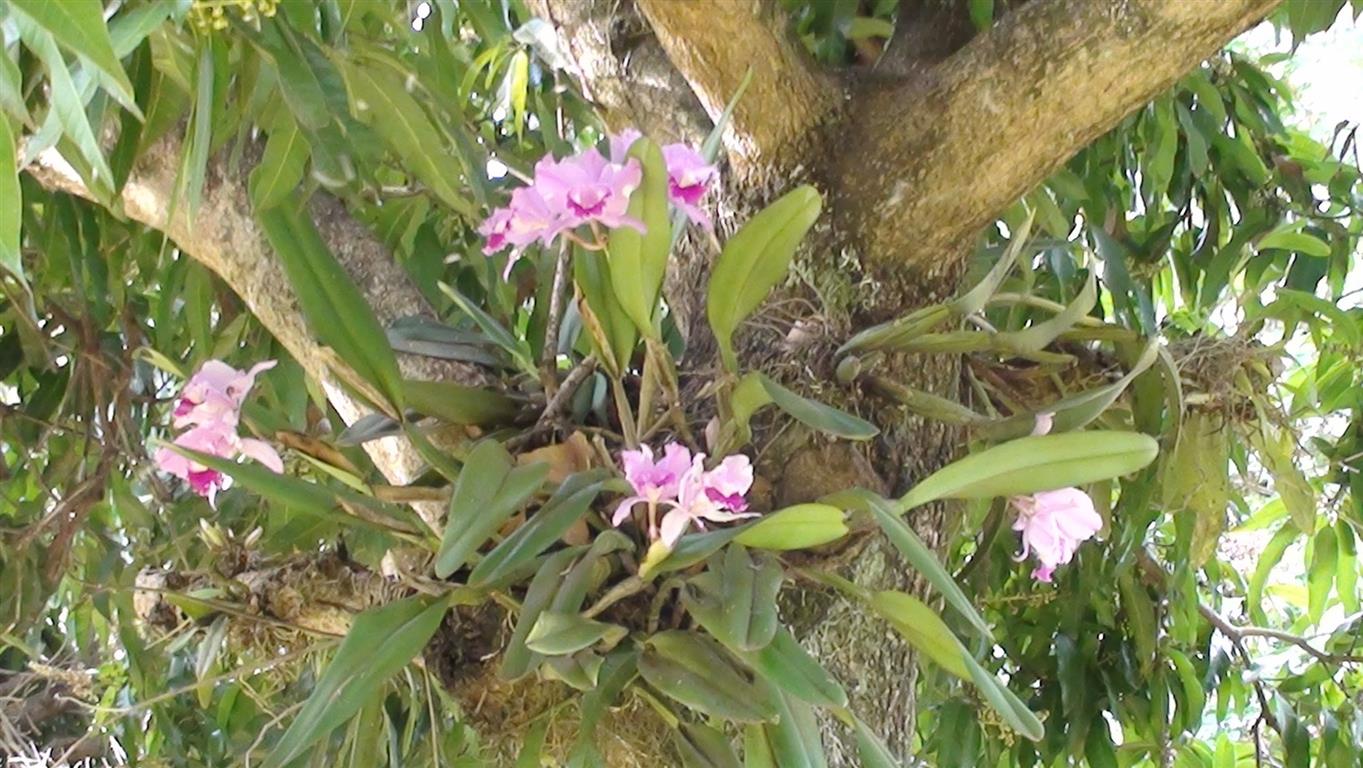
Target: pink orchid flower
(689,177)
(210,406)
(495,228)
(215,393)
(589,188)
(653,481)
(716,496)
(528,219)
(217,439)
(1053,525)
(679,483)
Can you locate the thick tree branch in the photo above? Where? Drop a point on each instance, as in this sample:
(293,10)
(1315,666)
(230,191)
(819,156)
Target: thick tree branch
(933,159)
(623,70)
(223,235)
(926,32)
(714,43)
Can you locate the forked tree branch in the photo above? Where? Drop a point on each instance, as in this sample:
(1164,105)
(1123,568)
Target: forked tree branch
(714,43)
(926,32)
(930,160)
(622,69)
(223,235)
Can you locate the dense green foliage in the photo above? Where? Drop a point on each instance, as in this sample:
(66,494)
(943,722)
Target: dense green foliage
(1188,277)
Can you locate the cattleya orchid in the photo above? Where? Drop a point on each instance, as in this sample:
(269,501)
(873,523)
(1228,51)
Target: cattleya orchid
(587,188)
(209,410)
(590,189)
(1054,523)
(679,483)
(689,177)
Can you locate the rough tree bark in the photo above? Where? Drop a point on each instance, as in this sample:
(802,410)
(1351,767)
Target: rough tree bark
(913,156)
(223,235)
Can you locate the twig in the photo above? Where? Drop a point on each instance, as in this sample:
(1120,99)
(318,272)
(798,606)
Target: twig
(558,404)
(549,355)
(254,669)
(1236,634)
(260,737)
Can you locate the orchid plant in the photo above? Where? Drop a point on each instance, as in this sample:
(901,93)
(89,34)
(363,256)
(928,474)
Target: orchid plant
(684,521)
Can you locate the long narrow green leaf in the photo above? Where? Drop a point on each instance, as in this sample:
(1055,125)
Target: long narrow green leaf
(816,415)
(701,746)
(303,496)
(282,165)
(380,643)
(638,261)
(787,665)
(1031,464)
(973,301)
(467,526)
(871,750)
(693,670)
(334,307)
(495,331)
(489,491)
(78,26)
(1014,712)
(195,165)
(66,101)
(544,528)
(798,527)
(459,404)
(748,598)
(517,659)
(11,203)
(12,90)
(1035,337)
(922,559)
(614,336)
(557,634)
(795,736)
(381,100)
(924,629)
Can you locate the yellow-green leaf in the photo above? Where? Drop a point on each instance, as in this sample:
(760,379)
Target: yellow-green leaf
(924,630)
(638,261)
(754,260)
(1032,464)
(798,527)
